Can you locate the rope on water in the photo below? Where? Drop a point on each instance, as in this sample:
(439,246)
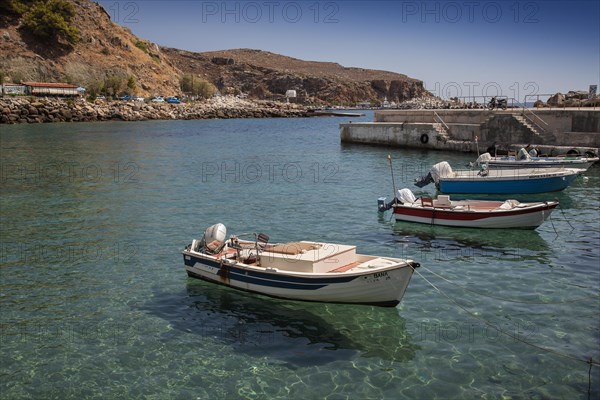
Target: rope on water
(391,217)
(509,300)
(563,214)
(590,379)
(591,362)
(552,222)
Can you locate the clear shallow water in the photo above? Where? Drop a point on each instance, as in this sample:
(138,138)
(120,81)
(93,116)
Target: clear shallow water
(95,301)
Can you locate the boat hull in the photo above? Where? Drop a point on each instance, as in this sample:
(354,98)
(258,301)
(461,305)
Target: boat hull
(382,288)
(508,182)
(526,218)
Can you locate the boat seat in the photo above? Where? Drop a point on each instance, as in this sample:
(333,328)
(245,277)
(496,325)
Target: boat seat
(426,202)
(261,241)
(292,248)
(216,246)
(345,268)
(442,201)
(254,254)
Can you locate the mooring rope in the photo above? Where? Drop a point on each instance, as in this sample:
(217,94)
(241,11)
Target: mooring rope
(552,222)
(590,380)
(563,214)
(514,337)
(509,300)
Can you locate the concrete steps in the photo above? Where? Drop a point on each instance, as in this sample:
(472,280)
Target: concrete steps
(527,124)
(457,129)
(442,132)
(531,128)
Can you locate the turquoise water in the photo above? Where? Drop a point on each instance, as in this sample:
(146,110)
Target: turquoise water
(95,302)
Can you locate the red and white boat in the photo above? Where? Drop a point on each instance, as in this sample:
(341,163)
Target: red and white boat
(467,213)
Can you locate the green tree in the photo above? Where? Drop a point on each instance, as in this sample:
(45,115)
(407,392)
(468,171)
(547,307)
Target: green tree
(142,45)
(16,7)
(206,89)
(50,20)
(197,87)
(131,84)
(114,85)
(95,88)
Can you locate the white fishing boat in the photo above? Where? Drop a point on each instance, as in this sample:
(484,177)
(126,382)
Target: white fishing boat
(310,271)
(535,162)
(467,213)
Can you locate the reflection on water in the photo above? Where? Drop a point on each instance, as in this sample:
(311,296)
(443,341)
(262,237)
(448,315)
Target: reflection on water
(297,333)
(464,243)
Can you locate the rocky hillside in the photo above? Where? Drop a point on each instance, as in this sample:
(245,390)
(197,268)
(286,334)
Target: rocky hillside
(108,57)
(105,49)
(263,74)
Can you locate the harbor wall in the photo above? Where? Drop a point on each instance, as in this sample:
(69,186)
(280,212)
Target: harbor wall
(458,129)
(410,135)
(393,134)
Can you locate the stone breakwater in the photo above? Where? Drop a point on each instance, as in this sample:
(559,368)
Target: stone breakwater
(14,110)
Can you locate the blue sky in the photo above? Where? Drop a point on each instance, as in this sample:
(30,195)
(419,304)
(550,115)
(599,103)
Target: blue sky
(469,47)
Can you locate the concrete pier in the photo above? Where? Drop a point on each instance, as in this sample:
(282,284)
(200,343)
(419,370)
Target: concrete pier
(565,129)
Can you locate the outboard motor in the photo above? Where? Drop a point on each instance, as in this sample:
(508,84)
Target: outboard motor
(402,197)
(406,196)
(213,239)
(439,170)
(424,180)
(381,206)
(482,160)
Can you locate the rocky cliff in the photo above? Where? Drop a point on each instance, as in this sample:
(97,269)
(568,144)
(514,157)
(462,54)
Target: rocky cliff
(109,54)
(262,74)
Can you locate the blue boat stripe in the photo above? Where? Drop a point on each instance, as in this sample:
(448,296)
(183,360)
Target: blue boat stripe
(273,283)
(269,277)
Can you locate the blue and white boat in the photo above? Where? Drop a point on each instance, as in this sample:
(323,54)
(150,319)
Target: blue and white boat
(500,181)
(309,271)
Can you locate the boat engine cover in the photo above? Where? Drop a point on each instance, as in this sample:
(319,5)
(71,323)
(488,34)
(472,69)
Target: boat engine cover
(406,196)
(216,232)
(483,159)
(441,170)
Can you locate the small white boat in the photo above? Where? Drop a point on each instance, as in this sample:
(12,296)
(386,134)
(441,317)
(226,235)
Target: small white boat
(310,271)
(467,213)
(535,162)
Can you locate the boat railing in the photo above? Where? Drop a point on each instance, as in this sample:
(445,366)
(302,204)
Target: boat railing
(533,116)
(472,101)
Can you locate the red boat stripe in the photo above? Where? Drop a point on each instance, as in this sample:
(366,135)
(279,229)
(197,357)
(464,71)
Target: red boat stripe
(463,215)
